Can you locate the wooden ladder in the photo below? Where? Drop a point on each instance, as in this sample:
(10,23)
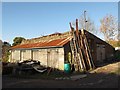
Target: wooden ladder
(80,50)
(87,50)
(76,50)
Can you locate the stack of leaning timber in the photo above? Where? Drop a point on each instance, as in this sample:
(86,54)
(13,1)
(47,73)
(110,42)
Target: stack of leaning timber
(81,54)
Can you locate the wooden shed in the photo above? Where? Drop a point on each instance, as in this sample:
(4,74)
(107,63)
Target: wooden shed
(56,52)
(50,53)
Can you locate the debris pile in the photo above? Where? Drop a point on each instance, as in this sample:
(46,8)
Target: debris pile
(29,65)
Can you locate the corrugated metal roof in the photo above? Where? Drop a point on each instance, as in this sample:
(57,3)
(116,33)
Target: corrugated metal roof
(50,43)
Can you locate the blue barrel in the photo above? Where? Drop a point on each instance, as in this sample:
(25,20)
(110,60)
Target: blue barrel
(67,67)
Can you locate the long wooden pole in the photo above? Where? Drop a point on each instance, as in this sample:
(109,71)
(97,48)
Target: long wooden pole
(79,47)
(87,51)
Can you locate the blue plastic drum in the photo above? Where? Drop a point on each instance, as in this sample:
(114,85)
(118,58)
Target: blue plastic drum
(67,67)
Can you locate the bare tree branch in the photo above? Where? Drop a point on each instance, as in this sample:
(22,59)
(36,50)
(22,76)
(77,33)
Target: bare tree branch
(109,27)
(88,24)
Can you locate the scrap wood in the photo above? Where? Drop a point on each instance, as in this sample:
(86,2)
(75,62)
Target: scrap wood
(49,71)
(39,70)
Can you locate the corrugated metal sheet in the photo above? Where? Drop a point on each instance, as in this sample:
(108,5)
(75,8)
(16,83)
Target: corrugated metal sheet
(50,43)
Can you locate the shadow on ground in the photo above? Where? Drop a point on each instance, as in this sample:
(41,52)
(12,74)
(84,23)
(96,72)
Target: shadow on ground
(42,80)
(94,80)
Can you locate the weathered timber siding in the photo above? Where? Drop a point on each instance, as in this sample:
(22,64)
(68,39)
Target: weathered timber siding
(108,52)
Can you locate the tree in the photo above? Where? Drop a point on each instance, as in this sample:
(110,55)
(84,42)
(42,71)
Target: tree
(87,23)
(109,27)
(5,51)
(6,43)
(17,40)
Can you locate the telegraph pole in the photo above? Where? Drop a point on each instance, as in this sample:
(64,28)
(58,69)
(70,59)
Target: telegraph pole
(85,19)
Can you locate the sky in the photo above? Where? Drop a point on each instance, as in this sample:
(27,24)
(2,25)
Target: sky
(33,19)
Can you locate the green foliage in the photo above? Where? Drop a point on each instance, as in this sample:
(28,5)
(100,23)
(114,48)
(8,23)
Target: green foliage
(6,58)
(117,55)
(7,54)
(6,44)
(17,40)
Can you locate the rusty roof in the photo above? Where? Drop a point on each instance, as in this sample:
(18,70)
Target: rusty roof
(50,43)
